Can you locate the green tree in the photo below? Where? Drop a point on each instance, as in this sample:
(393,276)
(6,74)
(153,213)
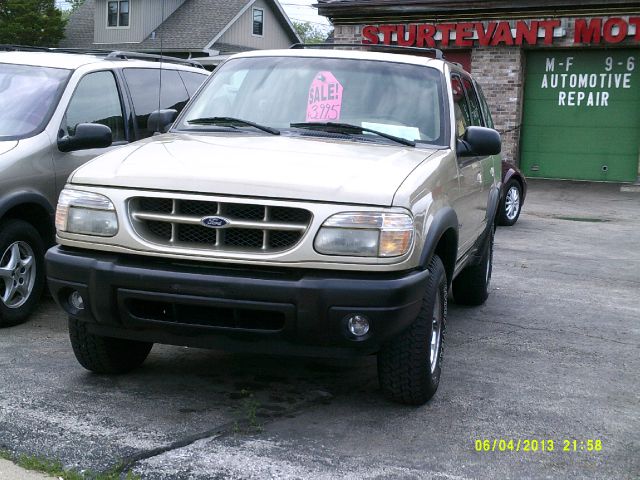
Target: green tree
(310,33)
(31,22)
(75,4)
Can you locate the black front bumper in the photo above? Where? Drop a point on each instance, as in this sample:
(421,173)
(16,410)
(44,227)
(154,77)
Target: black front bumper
(261,310)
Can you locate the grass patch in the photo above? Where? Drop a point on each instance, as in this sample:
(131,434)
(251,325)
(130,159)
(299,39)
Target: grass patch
(248,409)
(56,469)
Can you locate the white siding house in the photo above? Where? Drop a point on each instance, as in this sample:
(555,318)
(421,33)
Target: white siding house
(188,28)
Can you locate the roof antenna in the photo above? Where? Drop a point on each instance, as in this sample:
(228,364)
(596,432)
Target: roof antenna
(161,56)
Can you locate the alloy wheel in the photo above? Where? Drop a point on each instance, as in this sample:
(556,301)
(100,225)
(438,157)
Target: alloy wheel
(436,333)
(17,274)
(512,203)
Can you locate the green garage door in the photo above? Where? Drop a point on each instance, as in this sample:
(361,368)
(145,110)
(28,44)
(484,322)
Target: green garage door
(582,115)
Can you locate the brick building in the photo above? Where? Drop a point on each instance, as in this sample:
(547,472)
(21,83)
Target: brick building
(562,76)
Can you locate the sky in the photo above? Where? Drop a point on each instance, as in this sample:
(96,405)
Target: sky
(300,10)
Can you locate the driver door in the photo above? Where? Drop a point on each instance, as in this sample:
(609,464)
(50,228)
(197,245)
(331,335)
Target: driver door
(96,99)
(471,204)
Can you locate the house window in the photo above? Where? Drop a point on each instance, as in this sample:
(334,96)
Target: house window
(118,13)
(258,21)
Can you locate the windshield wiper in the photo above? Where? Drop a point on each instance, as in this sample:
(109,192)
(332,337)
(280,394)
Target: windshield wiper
(230,122)
(349,128)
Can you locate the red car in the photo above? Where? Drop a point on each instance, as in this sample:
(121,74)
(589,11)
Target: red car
(513,192)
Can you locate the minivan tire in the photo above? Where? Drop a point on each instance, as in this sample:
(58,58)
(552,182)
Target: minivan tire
(511,204)
(102,354)
(22,277)
(406,369)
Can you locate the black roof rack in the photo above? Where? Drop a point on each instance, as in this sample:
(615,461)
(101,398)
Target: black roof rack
(107,54)
(380,48)
(123,55)
(22,48)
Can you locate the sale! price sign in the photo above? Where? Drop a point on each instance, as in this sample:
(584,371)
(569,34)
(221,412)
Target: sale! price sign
(325,98)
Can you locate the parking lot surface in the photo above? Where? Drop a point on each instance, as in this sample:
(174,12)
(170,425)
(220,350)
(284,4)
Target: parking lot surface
(552,355)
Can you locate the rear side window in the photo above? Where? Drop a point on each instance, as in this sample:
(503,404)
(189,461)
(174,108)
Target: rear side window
(96,100)
(192,81)
(145,85)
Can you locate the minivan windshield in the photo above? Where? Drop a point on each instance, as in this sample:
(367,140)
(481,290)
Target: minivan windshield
(28,95)
(313,95)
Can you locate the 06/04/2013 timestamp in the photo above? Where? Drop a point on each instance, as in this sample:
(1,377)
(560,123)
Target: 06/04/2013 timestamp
(536,445)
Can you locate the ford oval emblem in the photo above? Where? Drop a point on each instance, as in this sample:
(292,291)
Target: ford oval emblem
(214,222)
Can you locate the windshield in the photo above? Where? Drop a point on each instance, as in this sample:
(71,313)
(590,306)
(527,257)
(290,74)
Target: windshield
(28,96)
(393,98)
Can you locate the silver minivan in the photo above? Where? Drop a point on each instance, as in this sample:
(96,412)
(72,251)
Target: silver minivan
(57,111)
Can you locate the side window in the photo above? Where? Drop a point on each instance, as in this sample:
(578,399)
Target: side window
(474,103)
(96,100)
(460,106)
(192,81)
(258,21)
(118,13)
(488,121)
(145,85)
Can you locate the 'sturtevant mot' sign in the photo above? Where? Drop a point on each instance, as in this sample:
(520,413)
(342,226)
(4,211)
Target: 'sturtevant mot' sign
(591,31)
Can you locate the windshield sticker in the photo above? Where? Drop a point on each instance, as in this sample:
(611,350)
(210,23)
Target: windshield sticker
(402,131)
(325,98)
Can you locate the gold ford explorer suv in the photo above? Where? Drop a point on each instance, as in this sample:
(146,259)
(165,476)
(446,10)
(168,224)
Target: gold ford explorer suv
(305,202)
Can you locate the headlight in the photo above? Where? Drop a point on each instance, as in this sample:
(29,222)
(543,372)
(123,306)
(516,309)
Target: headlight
(87,213)
(366,234)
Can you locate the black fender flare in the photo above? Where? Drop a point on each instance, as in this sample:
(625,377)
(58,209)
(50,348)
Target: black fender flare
(13,199)
(445,219)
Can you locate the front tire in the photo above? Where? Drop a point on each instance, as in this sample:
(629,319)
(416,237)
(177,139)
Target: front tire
(409,366)
(510,205)
(21,271)
(105,354)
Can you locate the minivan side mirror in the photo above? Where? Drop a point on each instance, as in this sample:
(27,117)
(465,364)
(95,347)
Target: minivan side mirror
(479,142)
(86,136)
(161,120)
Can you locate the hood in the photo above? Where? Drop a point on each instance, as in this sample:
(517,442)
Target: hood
(7,145)
(303,168)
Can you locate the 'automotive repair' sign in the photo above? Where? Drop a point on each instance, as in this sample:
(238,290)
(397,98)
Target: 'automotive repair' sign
(495,33)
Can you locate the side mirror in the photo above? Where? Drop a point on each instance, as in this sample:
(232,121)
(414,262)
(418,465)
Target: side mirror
(479,142)
(86,136)
(161,120)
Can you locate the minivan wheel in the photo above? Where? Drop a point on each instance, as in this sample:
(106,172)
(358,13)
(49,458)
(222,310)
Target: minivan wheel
(511,204)
(409,366)
(471,286)
(21,271)
(105,354)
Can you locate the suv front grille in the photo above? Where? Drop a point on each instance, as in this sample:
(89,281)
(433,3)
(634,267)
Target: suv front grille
(252,227)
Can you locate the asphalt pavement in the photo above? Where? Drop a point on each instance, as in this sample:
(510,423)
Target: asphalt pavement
(552,356)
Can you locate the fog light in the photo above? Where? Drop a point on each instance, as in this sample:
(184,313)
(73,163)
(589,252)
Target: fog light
(358,325)
(76,300)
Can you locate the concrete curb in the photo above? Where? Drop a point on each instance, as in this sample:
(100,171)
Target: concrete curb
(634,188)
(10,471)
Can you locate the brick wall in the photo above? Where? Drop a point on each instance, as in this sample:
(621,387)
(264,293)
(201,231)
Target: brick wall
(347,34)
(499,71)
